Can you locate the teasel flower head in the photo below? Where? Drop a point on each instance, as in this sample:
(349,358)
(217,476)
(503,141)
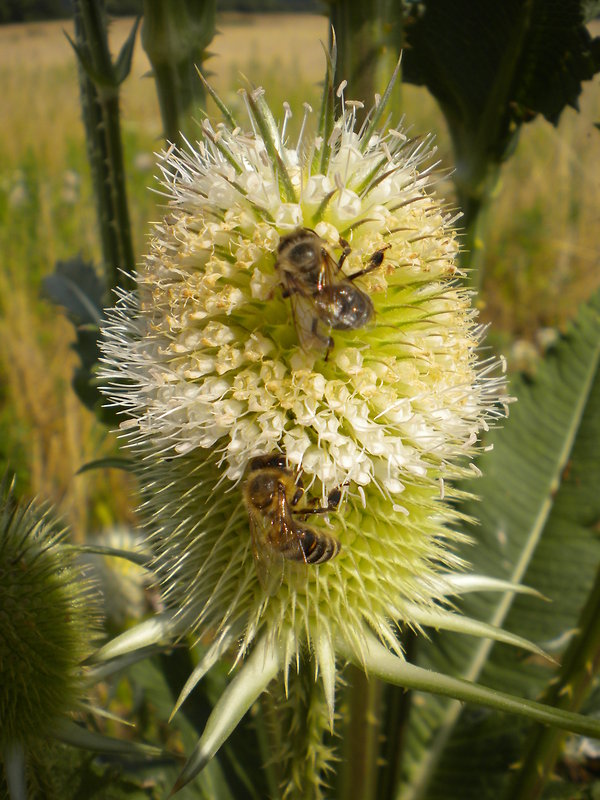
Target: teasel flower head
(49,623)
(122,583)
(217,361)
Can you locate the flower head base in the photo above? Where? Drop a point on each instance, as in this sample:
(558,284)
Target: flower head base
(213,364)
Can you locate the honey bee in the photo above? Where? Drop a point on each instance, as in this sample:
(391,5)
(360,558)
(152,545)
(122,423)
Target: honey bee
(272,494)
(322,296)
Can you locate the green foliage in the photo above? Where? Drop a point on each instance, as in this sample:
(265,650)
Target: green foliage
(494,65)
(539,512)
(76,287)
(56,771)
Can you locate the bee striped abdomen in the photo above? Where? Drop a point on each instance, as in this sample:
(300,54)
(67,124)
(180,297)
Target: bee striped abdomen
(317,548)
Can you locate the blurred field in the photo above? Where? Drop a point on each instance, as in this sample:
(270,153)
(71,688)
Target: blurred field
(542,250)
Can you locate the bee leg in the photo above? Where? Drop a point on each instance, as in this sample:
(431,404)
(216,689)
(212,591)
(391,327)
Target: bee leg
(334,498)
(346,250)
(333,501)
(330,344)
(298,495)
(375,261)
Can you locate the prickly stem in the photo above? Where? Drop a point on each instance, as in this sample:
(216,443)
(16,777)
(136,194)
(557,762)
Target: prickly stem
(100,102)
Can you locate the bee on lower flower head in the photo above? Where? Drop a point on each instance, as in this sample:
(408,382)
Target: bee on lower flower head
(322,296)
(272,494)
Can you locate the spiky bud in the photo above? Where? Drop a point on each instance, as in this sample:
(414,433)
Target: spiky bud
(48,621)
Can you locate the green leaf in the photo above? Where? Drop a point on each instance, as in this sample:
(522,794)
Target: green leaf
(75,285)
(111,462)
(123,63)
(152,678)
(158,630)
(494,65)
(100,672)
(250,682)
(269,132)
(229,118)
(77,736)
(510,59)
(327,114)
(96,76)
(380,109)
(206,663)
(141,559)
(578,669)
(380,661)
(539,514)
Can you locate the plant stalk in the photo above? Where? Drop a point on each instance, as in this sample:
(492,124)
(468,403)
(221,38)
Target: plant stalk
(369,40)
(395,710)
(175,35)
(100,101)
(360,754)
(477,155)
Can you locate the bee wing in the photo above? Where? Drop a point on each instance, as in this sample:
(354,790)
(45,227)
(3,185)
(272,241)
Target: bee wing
(312,332)
(330,272)
(269,562)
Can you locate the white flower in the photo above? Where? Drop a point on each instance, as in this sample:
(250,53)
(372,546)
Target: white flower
(207,364)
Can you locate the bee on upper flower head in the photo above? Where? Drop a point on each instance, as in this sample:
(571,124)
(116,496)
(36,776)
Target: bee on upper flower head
(272,494)
(322,296)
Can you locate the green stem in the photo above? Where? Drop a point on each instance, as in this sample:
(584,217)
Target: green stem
(580,664)
(100,102)
(267,734)
(299,724)
(476,150)
(369,37)
(396,708)
(175,35)
(476,207)
(358,777)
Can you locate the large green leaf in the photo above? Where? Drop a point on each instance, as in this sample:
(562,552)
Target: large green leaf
(539,514)
(493,65)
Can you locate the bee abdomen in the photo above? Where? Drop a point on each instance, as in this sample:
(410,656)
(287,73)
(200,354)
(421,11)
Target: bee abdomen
(318,548)
(344,306)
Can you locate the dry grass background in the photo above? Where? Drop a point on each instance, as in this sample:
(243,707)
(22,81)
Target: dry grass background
(542,247)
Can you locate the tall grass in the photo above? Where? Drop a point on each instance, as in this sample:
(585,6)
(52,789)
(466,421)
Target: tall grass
(541,250)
